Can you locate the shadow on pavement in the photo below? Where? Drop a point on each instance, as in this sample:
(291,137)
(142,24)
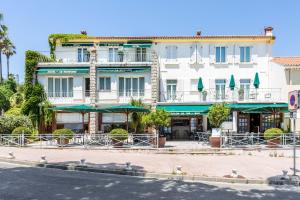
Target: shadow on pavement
(43,183)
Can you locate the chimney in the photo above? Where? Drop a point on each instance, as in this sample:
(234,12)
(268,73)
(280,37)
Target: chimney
(198,33)
(268,31)
(83,32)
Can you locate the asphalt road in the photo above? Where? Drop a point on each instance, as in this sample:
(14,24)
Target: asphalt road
(21,182)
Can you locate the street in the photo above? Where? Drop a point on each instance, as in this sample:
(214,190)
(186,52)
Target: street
(21,182)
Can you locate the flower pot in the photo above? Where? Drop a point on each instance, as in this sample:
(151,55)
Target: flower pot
(215,141)
(273,143)
(162,142)
(117,143)
(62,141)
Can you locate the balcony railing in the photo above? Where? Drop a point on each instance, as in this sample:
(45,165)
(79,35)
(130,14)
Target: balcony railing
(125,57)
(227,95)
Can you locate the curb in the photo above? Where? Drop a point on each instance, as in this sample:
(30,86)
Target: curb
(136,173)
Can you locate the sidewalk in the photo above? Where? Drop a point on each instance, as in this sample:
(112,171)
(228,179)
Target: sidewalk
(258,165)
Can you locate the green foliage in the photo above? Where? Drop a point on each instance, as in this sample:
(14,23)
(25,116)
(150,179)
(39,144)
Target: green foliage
(217,114)
(62,37)
(4,102)
(16,100)
(9,122)
(15,111)
(22,130)
(272,133)
(118,134)
(63,133)
(136,117)
(158,118)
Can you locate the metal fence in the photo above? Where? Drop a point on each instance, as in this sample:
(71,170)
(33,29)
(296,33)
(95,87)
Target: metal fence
(81,140)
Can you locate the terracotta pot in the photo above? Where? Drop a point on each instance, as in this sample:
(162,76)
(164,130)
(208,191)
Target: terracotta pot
(273,143)
(62,141)
(117,143)
(215,141)
(162,142)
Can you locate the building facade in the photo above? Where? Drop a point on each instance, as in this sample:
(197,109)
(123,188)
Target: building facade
(184,75)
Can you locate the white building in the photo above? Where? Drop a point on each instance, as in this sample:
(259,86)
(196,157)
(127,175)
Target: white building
(182,74)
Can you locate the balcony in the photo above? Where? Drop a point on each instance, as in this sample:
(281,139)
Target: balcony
(114,96)
(77,96)
(123,58)
(227,95)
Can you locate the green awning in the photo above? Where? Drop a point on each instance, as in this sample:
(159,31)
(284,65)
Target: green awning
(77,44)
(232,83)
(259,107)
(137,45)
(123,69)
(185,109)
(76,108)
(63,70)
(200,85)
(256,81)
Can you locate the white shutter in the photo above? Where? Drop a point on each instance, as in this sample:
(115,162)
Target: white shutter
(212,53)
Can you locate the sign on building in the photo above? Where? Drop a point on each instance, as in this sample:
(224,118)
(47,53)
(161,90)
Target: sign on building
(293,100)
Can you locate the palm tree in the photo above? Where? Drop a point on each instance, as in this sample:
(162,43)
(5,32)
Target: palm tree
(8,50)
(3,35)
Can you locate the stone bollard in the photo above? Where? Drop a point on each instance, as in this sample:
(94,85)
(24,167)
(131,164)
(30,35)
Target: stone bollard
(128,166)
(234,173)
(11,155)
(82,161)
(179,170)
(285,174)
(43,159)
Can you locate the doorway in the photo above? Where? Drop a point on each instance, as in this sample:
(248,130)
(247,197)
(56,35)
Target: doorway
(254,122)
(180,128)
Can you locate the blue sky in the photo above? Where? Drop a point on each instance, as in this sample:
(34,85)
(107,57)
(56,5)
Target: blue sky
(31,21)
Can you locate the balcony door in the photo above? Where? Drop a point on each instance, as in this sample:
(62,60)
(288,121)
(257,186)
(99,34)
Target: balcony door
(131,86)
(220,89)
(171,89)
(244,91)
(141,55)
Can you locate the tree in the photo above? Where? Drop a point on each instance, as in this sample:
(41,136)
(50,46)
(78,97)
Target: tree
(158,119)
(8,50)
(217,114)
(3,35)
(136,117)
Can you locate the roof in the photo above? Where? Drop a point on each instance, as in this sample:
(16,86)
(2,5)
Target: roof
(288,61)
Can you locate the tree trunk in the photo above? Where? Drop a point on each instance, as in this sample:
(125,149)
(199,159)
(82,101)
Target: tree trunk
(1,66)
(7,65)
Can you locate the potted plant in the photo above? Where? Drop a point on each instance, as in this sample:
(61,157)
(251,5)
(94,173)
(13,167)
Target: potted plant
(241,94)
(158,120)
(273,136)
(21,130)
(217,114)
(204,95)
(117,136)
(62,136)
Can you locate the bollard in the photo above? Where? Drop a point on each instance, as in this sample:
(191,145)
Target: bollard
(128,166)
(82,161)
(234,173)
(179,170)
(43,159)
(11,155)
(285,174)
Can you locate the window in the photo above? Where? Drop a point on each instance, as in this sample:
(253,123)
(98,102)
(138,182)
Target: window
(104,84)
(171,52)
(60,87)
(220,54)
(171,89)
(268,121)
(83,55)
(87,87)
(195,53)
(220,89)
(132,86)
(243,123)
(244,91)
(115,55)
(245,54)
(141,55)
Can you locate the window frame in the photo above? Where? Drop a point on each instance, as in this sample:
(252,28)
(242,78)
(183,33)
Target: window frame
(105,86)
(243,51)
(128,92)
(219,54)
(69,91)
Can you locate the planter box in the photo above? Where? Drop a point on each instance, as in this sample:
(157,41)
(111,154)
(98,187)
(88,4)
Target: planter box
(215,141)
(117,143)
(273,143)
(62,141)
(161,142)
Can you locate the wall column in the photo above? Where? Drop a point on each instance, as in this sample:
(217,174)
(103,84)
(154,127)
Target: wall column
(234,121)
(154,80)
(204,123)
(93,125)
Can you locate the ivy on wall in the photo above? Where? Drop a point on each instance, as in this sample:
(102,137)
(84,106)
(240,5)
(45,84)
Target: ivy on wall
(62,37)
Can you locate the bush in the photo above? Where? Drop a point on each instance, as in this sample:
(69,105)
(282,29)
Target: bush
(63,133)
(217,114)
(118,134)
(21,129)
(272,133)
(13,111)
(9,122)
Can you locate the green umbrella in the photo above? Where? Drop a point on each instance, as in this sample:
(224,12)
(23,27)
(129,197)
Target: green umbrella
(124,109)
(256,81)
(232,83)
(76,109)
(200,85)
